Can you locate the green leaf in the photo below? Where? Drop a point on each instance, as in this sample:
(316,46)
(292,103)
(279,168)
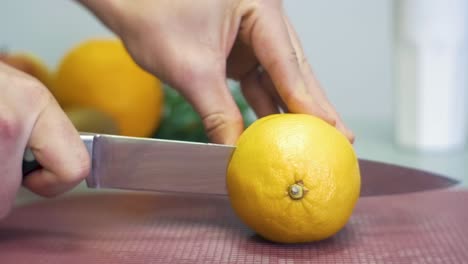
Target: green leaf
(181,122)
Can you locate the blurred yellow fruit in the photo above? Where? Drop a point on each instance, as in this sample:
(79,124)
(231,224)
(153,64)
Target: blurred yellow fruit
(92,121)
(293,178)
(100,74)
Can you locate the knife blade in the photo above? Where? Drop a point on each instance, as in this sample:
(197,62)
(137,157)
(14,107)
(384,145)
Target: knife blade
(146,164)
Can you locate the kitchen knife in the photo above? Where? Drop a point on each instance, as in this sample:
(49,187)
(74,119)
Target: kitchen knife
(129,163)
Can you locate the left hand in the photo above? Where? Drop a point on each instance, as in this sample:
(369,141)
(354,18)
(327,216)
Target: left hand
(194,46)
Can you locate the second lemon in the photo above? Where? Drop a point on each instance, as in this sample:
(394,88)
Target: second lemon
(100,74)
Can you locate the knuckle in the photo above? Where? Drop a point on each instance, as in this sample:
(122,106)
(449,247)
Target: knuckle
(294,57)
(218,121)
(214,122)
(10,125)
(279,63)
(28,96)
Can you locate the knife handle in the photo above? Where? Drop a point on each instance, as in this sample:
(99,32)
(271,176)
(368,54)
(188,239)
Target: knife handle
(29,163)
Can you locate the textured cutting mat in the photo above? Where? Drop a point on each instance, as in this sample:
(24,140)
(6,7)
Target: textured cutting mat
(426,227)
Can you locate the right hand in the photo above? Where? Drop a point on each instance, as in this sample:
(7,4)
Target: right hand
(30,117)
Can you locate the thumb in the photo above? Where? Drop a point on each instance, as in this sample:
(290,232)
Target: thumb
(212,99)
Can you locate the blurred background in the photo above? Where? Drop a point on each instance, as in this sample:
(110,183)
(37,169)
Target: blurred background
(356,48)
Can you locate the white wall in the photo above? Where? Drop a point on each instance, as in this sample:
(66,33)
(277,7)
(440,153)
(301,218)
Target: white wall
(47,27)
(348,43)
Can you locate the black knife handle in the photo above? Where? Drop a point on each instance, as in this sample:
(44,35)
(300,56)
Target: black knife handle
(29,163)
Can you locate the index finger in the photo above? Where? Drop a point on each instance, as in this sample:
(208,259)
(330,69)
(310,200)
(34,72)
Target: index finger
(57,146)
(265,30)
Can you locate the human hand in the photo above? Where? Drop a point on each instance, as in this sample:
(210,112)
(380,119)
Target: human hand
(196,46)
(30,117)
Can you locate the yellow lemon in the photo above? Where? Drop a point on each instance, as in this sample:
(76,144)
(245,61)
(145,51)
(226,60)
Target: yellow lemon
(293,178)
(91,120)
(100,74)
